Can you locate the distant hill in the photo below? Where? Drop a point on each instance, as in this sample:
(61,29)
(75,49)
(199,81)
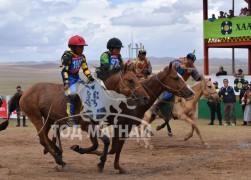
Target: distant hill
(157,63)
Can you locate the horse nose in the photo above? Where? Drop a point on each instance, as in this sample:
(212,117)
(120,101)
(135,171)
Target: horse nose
(146,99)
(191,94)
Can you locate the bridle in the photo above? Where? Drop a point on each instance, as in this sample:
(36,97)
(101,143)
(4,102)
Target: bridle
(132,96)
(210,93)
(164,85)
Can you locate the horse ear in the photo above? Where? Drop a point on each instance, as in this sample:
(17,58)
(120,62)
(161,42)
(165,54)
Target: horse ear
(125,67)
(170,65)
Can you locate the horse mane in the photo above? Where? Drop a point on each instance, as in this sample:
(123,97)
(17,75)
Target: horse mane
(14,101)
(195,84)
(103,75)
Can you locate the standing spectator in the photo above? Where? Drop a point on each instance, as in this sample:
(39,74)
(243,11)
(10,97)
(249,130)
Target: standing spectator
(242,92)
(212,18)
(242,12)
(221,15)
(215,107)
(221,71)
(231,14)
(247,112)
(239,74)
(1,101)
(19,112)
(229,99)
(248,13)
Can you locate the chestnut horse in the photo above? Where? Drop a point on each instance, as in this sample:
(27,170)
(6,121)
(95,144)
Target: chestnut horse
(166,80)
(184,110)
(48,101)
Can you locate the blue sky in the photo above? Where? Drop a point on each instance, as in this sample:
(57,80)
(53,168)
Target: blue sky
(38,30)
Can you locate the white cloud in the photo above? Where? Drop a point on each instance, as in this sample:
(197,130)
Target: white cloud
(41,28)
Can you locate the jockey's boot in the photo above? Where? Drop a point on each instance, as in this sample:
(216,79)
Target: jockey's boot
(155,109)
(211,123)
(71,122)
(70,112)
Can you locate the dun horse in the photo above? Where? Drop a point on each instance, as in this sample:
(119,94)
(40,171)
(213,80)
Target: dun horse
(168,79)
(48,101)
(184,110)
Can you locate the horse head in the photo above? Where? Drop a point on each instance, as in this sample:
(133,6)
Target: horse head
(127,83)
(209,91)
(174,83)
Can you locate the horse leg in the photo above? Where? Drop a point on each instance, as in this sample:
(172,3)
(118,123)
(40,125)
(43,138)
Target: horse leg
(197,129)
(58,149)
(103,157)
(43,136)
(194,127)
(142,134)
(93,138)
(117,156)
(117,145)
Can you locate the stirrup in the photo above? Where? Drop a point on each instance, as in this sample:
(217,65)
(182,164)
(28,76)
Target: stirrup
(71,123)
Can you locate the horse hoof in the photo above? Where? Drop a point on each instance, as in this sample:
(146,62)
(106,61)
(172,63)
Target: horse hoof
(122,171)
(65,167)
(151,146)
(45,151)
(75,148)
(186,138)
(170,134)
(62,168)
(158,128)
(100,167)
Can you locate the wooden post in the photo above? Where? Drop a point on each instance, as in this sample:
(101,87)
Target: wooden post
(205,17)
(249,61)
(206,64)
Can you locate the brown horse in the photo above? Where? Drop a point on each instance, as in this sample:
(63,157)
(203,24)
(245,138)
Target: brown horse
(184,110)
(48,101)
(166,80)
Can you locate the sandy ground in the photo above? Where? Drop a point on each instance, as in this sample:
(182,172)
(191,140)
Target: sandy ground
(229,156)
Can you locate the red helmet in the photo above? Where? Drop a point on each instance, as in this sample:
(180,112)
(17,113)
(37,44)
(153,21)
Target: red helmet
(77,41)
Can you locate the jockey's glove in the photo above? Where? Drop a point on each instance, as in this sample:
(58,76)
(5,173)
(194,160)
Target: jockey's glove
(90,78)
(117,69)
(105,67)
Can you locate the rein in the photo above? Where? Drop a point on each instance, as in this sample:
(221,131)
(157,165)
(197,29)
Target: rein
(166,86)
(133,96)
(210,93)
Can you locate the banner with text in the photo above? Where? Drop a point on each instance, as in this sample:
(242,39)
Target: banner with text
(227,27)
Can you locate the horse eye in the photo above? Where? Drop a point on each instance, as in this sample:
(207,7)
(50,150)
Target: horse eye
(176,78)
(131,81)
(210,87)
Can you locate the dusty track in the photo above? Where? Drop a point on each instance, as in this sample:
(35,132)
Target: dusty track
(229,157)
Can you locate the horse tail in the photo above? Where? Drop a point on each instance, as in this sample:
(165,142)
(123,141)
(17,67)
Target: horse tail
(13,104)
